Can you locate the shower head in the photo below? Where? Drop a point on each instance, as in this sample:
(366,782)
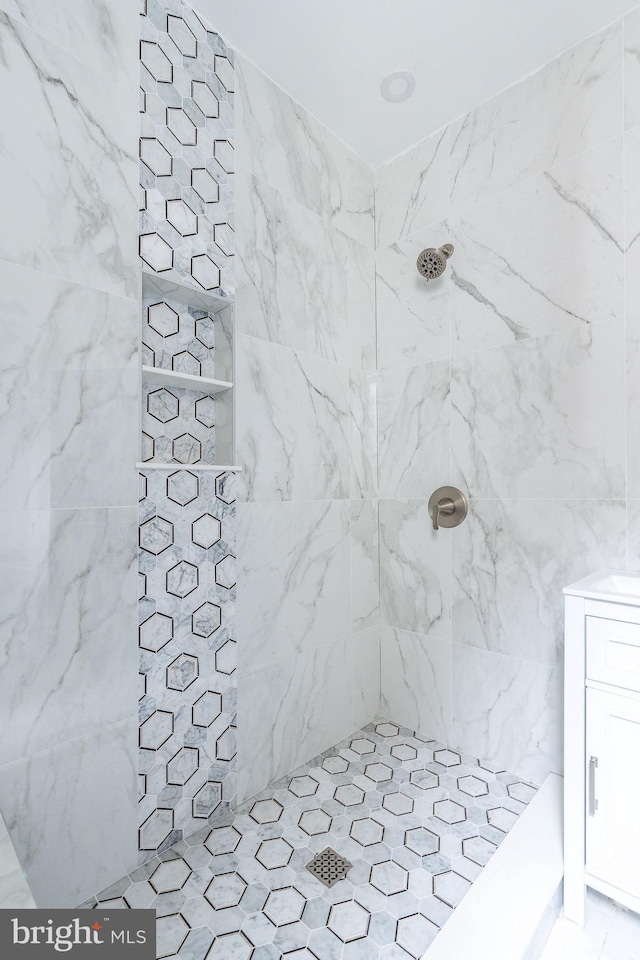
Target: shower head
(432,263)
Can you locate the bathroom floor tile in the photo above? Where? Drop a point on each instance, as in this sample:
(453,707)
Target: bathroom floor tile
(416,821)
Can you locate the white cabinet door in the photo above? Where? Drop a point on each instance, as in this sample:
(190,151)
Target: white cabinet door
(613,828)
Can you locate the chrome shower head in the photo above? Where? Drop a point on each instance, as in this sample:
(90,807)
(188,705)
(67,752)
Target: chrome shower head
(432,263)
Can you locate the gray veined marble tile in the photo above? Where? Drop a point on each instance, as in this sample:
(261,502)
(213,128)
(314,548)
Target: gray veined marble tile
(293,579)
(293,710)
(632,220)
(364,667)
(412,191)
(511,559)
(365,573)
(357,215)
(293,416)
(413,430)
(68,615)
(633,405)
(545,255)
(507,711)
(416,682)
(79,148)
(62,825)
(633,535)
(292,293)
(542,418)
(363,449)
(631,31)
(361,306)
(68,393)
(102,34)
(415,569)
(414,315)
(571,104)
(280,142)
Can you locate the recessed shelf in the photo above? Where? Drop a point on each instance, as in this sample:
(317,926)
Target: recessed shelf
(159,286)
(187,380)
(219,468)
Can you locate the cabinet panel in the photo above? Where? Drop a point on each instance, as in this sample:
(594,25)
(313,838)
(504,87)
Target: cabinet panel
(613,652)
(613,829)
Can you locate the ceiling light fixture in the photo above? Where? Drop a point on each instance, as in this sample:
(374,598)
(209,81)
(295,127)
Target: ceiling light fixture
(398,86)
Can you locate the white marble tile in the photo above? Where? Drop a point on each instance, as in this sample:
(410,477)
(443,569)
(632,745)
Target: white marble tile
(416,682)
(357,215)
(545,255)
(507,711)
(364,665)
(69,659)
(543,417)
(631,30)
(633,535)
(68,393)
(101,33)
(293,579)
(60,807)
(365,564)
(69,176)
(361,306)
(292,711)
(414,314)
(511,559)
(280,142)
(633,405)
(292,423)
(291,280)
(412,191)
(632,220)
(363,441)
(415,569)
(413,430)
(569,105)
(14,889)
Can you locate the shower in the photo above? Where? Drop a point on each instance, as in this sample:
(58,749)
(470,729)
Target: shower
(432,262)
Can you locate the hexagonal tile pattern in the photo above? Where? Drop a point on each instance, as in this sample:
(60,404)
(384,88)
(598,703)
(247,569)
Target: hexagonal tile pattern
(156,61)
(397,803)
(421,841)
(366,832)
(182,218)
(266,811)
(349,921)
(206,709)
(284,906)
(449,811)
(274,853)
(450,887)
(225,890)
(163,319)
(182,579)
(171,932)
(156,632)
(156,535)
(156,252)
(222,840)
(447,758)
(182,36)
(162,405)
(156,157)
(182,487)
(226,572)
(182,672)
(231,946)
(205,531)
(205,98)
(186,449)
(424,779)
(403,751)
(349,795)
(362,745)
(378,772)
(181,126)
(478,849)
(204,185)
(303,786)
(205,272)
(205,412)
(389,878)
(315,822)
(170,876)
(206,619)
(185,362)
(156,730)
(415,934)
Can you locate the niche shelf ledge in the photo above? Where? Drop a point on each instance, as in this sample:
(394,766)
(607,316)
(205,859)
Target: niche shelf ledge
(187,380)
(154,284)
(218,467)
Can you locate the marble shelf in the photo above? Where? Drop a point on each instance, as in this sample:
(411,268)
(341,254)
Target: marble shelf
(186,380)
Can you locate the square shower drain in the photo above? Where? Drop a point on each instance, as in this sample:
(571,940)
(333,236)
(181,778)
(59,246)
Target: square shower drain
(329,867)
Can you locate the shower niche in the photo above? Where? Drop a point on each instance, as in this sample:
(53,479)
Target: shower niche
(187,402)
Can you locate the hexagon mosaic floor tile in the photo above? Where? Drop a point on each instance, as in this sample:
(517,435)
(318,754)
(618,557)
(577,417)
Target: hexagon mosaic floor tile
(416,821)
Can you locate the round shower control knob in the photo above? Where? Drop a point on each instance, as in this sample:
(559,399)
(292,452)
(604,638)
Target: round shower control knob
(447,507)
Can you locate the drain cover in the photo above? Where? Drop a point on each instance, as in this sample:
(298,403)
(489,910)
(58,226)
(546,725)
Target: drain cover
(329,867)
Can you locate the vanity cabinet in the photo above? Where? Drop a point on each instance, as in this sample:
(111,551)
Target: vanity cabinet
(602,740)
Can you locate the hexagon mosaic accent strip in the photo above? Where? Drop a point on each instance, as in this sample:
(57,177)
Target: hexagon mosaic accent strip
(187,653)
(186,148)
(240,888)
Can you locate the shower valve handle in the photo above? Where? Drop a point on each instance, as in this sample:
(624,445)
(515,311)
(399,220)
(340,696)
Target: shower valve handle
(447,507)
(443,508)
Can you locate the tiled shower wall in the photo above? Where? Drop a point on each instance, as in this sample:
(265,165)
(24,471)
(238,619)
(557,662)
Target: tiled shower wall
(69,329)
(308,611)
(507,378)
(187,516)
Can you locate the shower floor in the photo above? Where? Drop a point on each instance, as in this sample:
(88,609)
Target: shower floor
(416,820)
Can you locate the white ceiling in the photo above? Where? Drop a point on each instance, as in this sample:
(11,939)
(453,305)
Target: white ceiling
(331,55)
